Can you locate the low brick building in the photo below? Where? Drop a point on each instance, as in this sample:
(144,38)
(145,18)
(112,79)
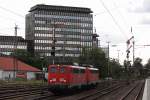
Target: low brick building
(12,68)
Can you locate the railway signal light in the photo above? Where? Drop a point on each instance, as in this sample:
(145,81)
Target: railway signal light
(53,51)
(128,53)
(53,48)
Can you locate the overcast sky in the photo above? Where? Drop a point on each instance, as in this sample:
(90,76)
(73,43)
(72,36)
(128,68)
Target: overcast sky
(112,20)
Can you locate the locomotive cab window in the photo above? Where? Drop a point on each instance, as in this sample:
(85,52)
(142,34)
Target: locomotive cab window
(62,70)
(82,70)
(94,71)
(76,70)
(53,70)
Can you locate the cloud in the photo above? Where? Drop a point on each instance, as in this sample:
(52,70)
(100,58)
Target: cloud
(145,18)
(146,4)
(141,8)
(114,38)
(140,11)
(145,21)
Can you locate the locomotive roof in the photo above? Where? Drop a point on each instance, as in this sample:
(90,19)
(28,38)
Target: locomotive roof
(93,68)
(78,67)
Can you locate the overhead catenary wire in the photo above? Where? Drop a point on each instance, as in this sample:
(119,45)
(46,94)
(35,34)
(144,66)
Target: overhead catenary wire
(119,12)
(15,13)
(2,34)
(102,12)
(12,12)
(11,19)
(121,30)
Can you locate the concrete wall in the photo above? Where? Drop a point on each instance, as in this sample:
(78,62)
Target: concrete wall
(31,75)
(7,75)
(1,73)
(46,76)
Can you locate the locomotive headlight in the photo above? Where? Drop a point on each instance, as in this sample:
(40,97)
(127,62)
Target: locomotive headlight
(50,81)
(62,80)
(53,79)
(65,81)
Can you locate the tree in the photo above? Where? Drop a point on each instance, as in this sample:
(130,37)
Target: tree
(148,64)
(28,58)
(95,57)
(138,66)
(147,68)
(127,70)
(115,68)
(138,63)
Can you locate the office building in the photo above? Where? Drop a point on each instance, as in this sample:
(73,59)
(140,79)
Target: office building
(71,27)
(9,43)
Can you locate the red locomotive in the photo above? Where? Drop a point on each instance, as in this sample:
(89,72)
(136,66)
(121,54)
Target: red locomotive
(62,77)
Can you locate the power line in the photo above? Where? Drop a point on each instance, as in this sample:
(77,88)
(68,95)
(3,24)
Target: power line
(11,19)
(5,28)
(12,12)
(102,12)
(2,34)
(113,18)
(114,3)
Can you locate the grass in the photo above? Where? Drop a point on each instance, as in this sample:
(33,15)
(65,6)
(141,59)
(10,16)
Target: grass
(22,81)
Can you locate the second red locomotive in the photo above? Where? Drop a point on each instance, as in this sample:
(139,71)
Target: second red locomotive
(62,77)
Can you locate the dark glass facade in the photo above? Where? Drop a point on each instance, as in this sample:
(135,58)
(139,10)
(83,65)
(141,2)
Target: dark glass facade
(7,44)
(72,26)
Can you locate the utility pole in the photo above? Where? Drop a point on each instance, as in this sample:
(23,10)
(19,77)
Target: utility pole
(99,43)
(53,42)
(14,56)
(133,47)
(133,50)
(108,61)
(64,51)
(64,46)
(128,47)
(118,55)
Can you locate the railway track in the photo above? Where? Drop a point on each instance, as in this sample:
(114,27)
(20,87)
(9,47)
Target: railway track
(120,91)
(134,93)
(100,93)
(95,93)
(26,91)
(41,93)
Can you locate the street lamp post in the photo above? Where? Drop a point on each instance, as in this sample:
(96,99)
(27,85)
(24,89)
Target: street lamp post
(53,41)
(108,61)
(42,60)
(118,55)
(133,50)
(54,24)
(14,56)
(118,52)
